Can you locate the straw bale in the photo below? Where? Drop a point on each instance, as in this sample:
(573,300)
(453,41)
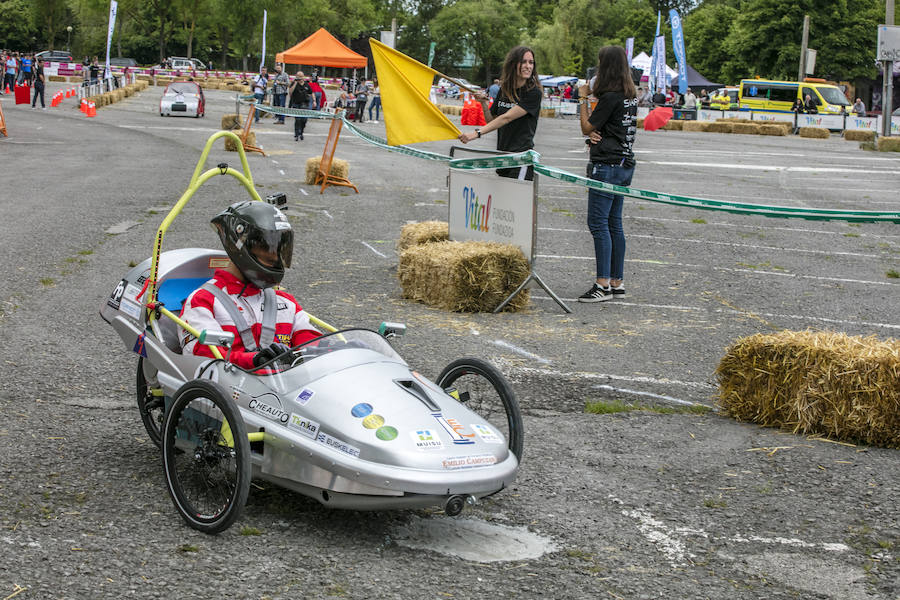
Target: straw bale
(128,90)
(118,95)
(674,125)
(772,129)
(751,128)
(640,124)
(79,79)
(696,126)
(339,168)
(733,120)
(231,121)
(859,135)
(56,78)
(548,112)
(889,144)
(231,146)
(163,80)
(721,126)
(464,276)
(425,232)
(815,132)
(827,383)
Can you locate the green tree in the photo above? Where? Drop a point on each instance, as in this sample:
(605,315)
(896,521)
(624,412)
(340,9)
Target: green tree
(489,28)
(50,18)
(414,37)
(705,32)
(765,39)
(17,25)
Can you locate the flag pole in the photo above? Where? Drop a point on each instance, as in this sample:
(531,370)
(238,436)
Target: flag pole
(451,80)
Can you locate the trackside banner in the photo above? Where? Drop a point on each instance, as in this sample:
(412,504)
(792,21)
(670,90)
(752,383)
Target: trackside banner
(113,8)
(678,46)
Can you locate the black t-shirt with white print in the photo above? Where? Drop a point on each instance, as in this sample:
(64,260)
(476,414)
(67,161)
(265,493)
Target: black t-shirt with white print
(615,118)
(518,135)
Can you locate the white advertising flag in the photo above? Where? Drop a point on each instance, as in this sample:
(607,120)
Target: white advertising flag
(113,7)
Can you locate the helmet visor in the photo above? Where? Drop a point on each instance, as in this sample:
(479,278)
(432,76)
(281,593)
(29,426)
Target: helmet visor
(271,248)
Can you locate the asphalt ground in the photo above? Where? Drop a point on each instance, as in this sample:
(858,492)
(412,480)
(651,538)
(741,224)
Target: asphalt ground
(637,505)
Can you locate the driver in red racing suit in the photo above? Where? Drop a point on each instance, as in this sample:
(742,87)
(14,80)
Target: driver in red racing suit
(240,298)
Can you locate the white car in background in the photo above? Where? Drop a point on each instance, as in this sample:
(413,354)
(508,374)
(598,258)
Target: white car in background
(182,99)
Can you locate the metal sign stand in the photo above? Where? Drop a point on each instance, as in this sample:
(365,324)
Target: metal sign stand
(532,274)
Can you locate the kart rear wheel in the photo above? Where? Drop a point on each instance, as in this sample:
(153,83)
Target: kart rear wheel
(151,406)
(484,390)
(206,457)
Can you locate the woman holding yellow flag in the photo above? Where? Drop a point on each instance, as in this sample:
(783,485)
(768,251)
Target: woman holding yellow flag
(514,114)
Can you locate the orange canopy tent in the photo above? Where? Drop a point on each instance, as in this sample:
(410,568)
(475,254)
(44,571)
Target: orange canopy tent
(323,50)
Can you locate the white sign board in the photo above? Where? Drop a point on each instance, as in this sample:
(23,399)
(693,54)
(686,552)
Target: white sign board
(863,123)
(826,121)
(485,207)
(888,43)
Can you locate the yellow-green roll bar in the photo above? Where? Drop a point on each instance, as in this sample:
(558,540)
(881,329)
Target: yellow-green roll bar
(198,179)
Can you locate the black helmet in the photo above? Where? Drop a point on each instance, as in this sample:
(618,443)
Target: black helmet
(248,225)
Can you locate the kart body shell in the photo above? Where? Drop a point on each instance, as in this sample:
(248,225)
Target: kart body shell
(353,428)
(342,418)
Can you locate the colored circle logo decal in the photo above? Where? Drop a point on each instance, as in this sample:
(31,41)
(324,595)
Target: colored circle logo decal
(361,410)
(373,421)
(386,433)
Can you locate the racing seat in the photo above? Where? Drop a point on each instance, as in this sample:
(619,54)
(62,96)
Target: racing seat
(172,294)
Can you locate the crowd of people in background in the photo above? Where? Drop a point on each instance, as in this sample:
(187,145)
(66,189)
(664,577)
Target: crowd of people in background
(23,69)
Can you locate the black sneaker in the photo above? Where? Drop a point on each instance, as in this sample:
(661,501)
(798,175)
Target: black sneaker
(596,294)
(618,292)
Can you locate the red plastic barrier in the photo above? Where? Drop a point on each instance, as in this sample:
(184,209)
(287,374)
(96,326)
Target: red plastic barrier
(23,94)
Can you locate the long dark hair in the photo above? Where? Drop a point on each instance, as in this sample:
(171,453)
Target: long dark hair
(613,73)
(509,75)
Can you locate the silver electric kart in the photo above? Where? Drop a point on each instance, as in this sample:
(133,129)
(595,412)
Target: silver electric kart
(342,418)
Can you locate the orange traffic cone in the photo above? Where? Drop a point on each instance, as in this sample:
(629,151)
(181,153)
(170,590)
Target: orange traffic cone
(92,110)
(83,107)
(8,91)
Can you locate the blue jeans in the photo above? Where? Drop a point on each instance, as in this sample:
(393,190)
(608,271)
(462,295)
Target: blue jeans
(605,220)
(376,104)
(259,100)
(278,100)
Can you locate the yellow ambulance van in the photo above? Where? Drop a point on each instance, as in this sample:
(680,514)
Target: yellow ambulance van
(767,95)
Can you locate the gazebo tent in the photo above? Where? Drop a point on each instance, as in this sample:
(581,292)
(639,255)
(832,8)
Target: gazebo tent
(696,81)
(323,50)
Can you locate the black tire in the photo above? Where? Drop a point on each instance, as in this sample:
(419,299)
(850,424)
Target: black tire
(208,477)
(151,407)
(484,390)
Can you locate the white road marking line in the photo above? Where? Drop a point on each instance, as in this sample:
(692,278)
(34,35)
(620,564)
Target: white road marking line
(520,351)
(727,269)
(274,161)
(668,163)
(302,191)
(610,388)
(748,226)
(671,543)
(327,214)
(281,171)
(732,244)
(632,378)
(737,312)
(372,249)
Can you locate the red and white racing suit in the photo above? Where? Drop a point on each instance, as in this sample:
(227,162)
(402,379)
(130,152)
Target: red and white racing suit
(203,310)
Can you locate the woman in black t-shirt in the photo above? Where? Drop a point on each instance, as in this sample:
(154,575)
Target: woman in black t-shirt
(514,113)
(611,127)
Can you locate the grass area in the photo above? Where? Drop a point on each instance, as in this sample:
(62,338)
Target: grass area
(250,531)
(893,274)
(606,407)
(184,548)
(699,221)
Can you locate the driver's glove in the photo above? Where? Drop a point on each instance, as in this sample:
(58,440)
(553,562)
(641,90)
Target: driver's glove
(273,350)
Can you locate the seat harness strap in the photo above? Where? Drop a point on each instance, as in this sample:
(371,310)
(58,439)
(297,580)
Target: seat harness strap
(267,333)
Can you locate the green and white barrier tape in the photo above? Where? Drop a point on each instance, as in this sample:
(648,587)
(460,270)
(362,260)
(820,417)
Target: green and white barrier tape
(530,157)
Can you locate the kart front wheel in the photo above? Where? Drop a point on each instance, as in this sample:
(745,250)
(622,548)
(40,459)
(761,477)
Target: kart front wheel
(484,390)
(206,457)
(150,401)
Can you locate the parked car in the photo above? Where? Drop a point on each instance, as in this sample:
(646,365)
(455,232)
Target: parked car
(123,62)
(451,90)
(185,64)
(55,56)
(182,98)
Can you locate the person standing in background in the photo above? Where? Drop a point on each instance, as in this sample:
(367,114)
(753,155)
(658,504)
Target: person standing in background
(514,113)
(318,92)
(39,84)
(9,72)
(611,128)
(280,91)
(301,96)
(376,101)
(260,85)
(859,108)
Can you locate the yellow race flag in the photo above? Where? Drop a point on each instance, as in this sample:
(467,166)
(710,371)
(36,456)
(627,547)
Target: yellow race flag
(409,116)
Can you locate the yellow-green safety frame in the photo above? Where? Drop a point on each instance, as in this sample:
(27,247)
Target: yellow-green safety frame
(198,179)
